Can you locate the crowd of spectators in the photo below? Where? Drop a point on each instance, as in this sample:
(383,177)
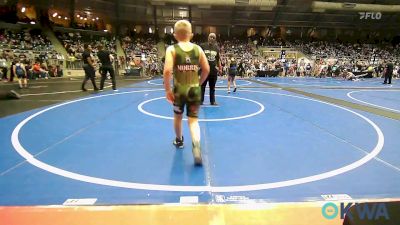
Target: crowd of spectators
(333,58)
(94,26)
(24,40)
(74,44)
(346,51)
(26,45)
(37,68)
(141,50)
(30,48)
(323,58)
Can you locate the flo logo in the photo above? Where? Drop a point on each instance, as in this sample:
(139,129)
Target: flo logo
(365,211)
(370,15)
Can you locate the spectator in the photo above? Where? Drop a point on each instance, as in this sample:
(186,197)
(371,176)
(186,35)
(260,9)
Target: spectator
(19,70)
(3,68)
(39,72)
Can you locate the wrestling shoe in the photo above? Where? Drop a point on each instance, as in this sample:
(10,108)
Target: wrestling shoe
(178,143)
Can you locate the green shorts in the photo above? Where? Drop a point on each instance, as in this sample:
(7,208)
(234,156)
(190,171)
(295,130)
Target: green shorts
(189,97)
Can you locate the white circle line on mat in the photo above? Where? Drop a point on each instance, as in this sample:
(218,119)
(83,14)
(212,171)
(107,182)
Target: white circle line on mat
(368,103)
(218,82)
(183,188)
(321,85)
(140,108)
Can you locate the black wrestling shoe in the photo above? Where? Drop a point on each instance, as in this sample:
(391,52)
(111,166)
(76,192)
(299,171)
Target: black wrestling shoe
(178,143)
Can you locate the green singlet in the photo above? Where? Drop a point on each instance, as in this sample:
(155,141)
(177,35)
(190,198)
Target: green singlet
(187,90)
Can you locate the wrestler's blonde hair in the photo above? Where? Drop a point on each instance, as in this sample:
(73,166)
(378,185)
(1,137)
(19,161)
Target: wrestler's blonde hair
(183,30)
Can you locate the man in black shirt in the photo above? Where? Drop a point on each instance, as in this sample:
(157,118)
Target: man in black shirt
(212,52)
(88,67)
(388,73)
(106,66)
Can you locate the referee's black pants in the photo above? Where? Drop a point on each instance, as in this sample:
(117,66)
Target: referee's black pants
(212,80)
(90,74)
(104,70)
(388,77)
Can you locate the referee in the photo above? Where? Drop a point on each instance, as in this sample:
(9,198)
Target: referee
(212,52)
(88,67)
(106,66)
(388,73)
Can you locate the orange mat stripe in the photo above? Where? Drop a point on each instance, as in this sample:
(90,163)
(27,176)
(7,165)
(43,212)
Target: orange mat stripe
(254,214)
